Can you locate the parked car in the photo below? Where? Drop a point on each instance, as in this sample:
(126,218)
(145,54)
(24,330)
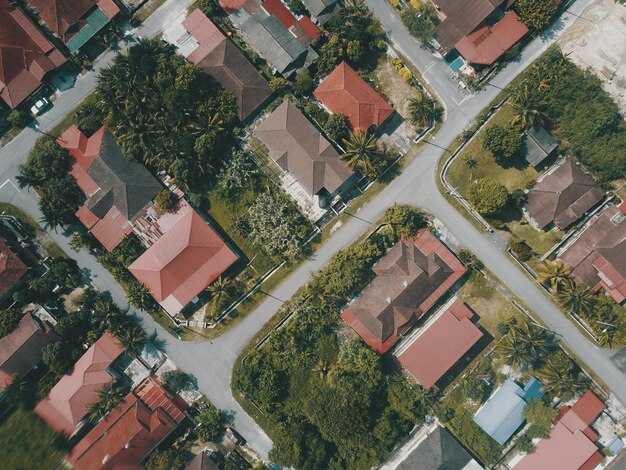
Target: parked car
(39,106)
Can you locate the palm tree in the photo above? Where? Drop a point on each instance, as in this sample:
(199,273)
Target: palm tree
(351,10)
(556,274)
(539,76)
(470,164)
(421,110)
(528,108)
(133,338)
(575,298)
(361,151)
(109,397)
(526,343)
(17,391)
(138,295)
(561,379)
(222,291)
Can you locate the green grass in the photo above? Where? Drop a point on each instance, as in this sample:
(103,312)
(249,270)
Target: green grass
(27,443)
(70,118)
(538,240)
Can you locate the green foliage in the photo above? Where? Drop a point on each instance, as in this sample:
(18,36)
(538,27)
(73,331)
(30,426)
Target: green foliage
(57,357)
(526,344)
(541,416)
(279,84)
(62,272)
(420,23)
(469,260)
(561,377)
(108,398)
(9,319)
(521,249)
(488,196)
(167,459)
(304,83)
(166,200)
(363,153)
(238,172)
(19,119)
(405,220)
(297,7)
(423,110)
(337,127)
(525,444)
(503,142)
(89,118)
(177,381)
(536,13)
(210,424)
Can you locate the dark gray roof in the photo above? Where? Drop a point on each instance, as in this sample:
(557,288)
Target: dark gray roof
(127,185)
(439,451)
(321,10)
(539,145)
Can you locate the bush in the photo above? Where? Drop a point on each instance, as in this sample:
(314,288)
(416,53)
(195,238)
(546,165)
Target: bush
(488,196)
(469,260)
(337,127)
(525,444)
(541,416)
(304,83)
(518,197)
(177,381)
(9,319)
(521,249)
(167,459)
(166,200)
(297,7)
(19,119)
(420,23)
(405,220)
(58,357)
(503,142)
(279,84)
(89,118)
(210,424)
(536,13)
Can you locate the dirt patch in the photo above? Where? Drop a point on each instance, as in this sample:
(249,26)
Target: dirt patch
(597,41)
(396,90)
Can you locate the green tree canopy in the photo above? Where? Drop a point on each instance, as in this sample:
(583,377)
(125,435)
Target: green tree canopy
(9,319)
(536,13)
(420,23)
(541,415)
(488,196)
(337,127)
(210,424)
(177,381)
(503,142)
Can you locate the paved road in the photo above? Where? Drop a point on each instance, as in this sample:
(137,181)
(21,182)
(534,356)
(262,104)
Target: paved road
(211,362)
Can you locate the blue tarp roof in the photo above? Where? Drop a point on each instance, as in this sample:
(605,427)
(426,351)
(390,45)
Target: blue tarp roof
(503,413)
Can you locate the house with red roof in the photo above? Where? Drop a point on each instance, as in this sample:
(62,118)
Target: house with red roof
(66,405)
(118,191)
(440,343)
(12,269)
(303,29)
(572,442)
(26,56)
(345,92)
(127,435)
(409,280)
(183,261)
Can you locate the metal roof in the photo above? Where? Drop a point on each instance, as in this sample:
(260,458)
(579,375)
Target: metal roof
(96,20)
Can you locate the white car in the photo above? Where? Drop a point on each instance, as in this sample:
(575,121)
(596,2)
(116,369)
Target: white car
(39,106)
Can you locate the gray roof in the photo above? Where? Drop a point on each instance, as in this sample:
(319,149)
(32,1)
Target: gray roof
(321,10)
(127,185)
(439,451)
(539,145)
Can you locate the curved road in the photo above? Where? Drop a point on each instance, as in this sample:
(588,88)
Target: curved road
(212,361)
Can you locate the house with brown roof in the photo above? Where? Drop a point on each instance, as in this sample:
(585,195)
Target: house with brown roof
(300,149)
(202,461)
(440,344)
(321,11)
(118,190)
(345,92)
(20,350)
(75,22)
(481,30)
(598,254)
(572,442)
(219,57)
(12,269)
(562,196)
(66,405)
(127,435)
(409,280)
(26,56)
(188,257)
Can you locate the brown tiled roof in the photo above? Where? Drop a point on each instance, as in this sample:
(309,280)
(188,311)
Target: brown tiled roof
(409,281)
(20,350)
(296,146)
(223,60)
(26,56)
(202,461)
(11,268)
(563,196)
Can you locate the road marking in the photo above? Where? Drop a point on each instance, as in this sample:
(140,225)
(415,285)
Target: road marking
(12,184)
(432,64)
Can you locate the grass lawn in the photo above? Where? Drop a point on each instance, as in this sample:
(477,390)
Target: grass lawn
(145,11)
(27,443)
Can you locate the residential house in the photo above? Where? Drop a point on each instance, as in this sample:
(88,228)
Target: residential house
(303,29)
(562,196)
(480,30)
(598,254)
(118,190)
(322,11)
(26,55)
(183,261)
(219,57)
(345,92)
(127,435)
(539,144)
(65,408)
(299,148)
(75,22)
(437,450)
(503,413)
(202,461)
(440,343)
(409,280)
(12,269)
(572,443)
(20,350)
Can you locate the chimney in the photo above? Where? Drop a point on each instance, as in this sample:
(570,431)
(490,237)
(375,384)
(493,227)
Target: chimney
(405,283)
(388,300)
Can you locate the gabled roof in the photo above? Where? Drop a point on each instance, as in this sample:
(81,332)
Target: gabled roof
(129,433)
(440,344)
(562,196)
(20,350)
(539,144)
(202,461)
(185,260)
(344,91)
(409,280)
(297,147)
(321,10)
(67,402)
(303,29)
(11,268)
(224,61)
(26,56)
(486,44)
(503,413)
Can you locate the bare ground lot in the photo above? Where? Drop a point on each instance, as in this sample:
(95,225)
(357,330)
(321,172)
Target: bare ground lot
(598,41)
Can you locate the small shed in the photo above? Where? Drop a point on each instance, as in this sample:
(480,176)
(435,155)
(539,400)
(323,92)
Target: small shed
(539,144)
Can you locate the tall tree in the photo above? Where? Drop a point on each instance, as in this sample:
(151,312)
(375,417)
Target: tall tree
(526,343)
(421,110)
(361,152)
(108,398)
(556,274)
(575,298)
(528,107)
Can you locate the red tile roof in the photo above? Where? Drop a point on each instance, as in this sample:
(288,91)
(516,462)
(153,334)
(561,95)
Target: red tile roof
(231,6)
(571,443)
(344,91)
(304,29)
(11,268)
(409,280)
(20,350)
(440,344)
(280,11)
(309,27)
(66,405)
(203,29)
(129,433)
(185,260)
(487,43)
(26,56)
(84,150)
